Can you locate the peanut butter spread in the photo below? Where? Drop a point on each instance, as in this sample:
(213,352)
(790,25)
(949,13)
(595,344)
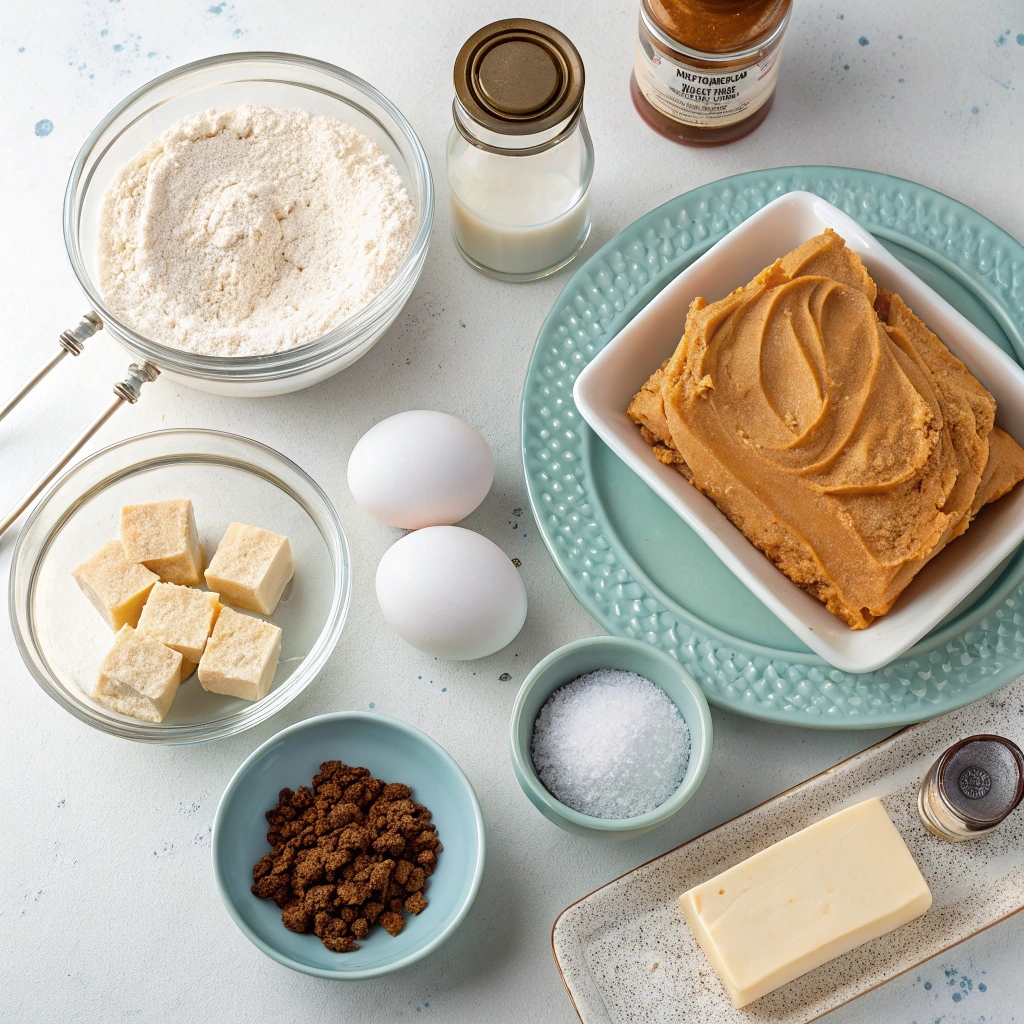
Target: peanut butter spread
(830,425)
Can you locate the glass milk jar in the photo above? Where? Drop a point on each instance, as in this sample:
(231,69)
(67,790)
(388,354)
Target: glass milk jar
(520,157)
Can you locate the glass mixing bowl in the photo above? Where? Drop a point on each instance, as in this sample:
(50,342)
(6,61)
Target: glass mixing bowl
(278,80)
(61,637)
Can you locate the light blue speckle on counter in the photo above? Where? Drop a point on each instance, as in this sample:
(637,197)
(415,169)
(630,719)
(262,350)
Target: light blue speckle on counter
(1020,38)
(974,110)
(863,41)
(959,986)
(44,127)
(215,9)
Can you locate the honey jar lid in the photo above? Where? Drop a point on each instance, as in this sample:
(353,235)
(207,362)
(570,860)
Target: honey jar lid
(519,77)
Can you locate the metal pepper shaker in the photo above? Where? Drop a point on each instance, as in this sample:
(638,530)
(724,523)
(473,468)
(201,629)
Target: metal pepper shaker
(972,788)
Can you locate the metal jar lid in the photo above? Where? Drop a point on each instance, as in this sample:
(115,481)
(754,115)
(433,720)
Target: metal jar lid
(519,77)
(972,787)
(981,778)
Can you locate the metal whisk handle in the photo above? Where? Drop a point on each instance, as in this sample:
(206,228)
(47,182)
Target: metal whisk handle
(71,343)
(127,390)
(130,389)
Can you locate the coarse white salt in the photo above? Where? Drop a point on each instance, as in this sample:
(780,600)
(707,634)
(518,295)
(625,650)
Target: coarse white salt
(610,744)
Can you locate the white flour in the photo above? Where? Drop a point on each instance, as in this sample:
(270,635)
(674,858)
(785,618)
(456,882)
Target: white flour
(252,230)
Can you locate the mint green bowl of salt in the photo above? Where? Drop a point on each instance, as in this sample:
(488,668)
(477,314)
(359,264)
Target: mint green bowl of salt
(594,655)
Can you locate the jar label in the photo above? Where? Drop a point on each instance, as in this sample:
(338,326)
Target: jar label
(701,96)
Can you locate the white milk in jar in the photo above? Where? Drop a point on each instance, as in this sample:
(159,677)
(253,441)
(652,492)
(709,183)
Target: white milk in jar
(520,157)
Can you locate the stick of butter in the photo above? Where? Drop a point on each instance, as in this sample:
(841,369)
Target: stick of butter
(818,894)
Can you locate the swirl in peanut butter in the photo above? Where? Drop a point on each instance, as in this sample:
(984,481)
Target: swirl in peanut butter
(830,425)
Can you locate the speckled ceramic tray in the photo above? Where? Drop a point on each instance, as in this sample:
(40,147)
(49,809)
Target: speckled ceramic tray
(642,572)
(628,957)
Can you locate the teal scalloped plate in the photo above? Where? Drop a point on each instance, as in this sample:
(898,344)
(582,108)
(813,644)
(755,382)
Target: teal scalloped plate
(642,572)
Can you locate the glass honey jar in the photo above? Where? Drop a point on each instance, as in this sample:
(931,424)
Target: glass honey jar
(704,72)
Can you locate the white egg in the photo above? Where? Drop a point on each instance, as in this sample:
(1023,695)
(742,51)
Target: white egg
(451,593)
(420,468)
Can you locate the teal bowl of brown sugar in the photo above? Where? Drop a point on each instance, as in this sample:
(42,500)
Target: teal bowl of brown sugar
(317,883)
(610,737)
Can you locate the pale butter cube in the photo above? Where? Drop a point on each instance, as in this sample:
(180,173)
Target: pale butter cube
(117,587)
(821,892)
(181,618)
(162,536)
(251,568)
(241,656)
(139,676)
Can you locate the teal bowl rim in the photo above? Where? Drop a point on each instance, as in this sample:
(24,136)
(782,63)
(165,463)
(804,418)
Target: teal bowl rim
(525,772)
(357,974)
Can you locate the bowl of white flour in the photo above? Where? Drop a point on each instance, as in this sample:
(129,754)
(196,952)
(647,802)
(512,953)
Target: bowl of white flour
(251,223)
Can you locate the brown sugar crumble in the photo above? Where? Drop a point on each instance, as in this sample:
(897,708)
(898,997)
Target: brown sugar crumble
(349,853)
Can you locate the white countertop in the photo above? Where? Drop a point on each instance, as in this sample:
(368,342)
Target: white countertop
(110,911)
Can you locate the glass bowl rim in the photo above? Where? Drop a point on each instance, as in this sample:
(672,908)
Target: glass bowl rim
(21,614)
(341,340)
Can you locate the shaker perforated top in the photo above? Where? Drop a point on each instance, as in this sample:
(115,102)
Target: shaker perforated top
(519,77)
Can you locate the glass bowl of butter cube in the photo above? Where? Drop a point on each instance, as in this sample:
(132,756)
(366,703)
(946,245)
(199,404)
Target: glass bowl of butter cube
(179,586)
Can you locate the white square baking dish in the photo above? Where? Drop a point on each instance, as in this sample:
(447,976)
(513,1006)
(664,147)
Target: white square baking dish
(605,387)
